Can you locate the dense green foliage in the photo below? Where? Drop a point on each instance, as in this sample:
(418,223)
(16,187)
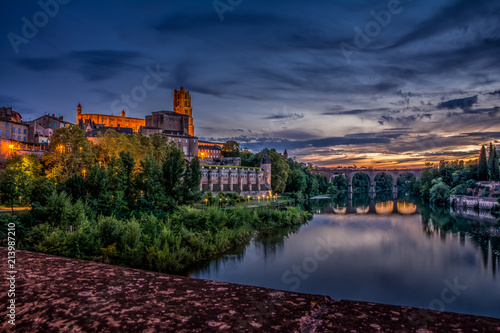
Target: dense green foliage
(482,172)
(169,244)
(231,149)
(121,175)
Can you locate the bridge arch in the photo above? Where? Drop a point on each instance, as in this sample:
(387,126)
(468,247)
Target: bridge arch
(350,172)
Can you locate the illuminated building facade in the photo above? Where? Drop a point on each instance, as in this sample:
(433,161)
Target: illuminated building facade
(83,119)
(12,127)
(182,105)
(42,128)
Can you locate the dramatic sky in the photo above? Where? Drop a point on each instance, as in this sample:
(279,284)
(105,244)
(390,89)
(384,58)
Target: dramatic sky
(381,83)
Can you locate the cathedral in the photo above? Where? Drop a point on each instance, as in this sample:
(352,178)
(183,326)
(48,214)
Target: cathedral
(219,174)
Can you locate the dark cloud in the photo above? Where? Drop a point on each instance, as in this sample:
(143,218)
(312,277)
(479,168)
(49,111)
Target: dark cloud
(355,112)
(496,92)
(490,111)
(460,103)
(94,65)
(285,116)
(459,14)
(485,135)
(404,119)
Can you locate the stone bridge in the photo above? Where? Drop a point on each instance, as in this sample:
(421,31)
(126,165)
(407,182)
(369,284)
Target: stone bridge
(372,173)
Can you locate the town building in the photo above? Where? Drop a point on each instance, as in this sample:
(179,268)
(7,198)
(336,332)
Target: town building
(42,128)
(242,180)
(168,121)
(12,131)
(108,120)
(209,150)
(185,142)
(12,127)
(182,105)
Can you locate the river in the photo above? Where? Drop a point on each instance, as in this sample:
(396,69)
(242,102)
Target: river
(393,252)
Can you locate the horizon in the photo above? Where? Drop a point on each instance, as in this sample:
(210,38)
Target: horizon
(386,84)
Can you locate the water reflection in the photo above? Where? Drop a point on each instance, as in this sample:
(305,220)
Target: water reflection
(382,204)
(391,251)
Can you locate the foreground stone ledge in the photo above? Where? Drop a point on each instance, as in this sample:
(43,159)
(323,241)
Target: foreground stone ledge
(56,294)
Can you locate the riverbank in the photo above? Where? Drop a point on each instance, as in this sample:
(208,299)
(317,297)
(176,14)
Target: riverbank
(57,294)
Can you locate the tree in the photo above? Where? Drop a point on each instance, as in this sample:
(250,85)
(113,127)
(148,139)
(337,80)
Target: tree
(42,189)
(14,185)
(337,185)
(75,187)
(483,165)
(494,172)
(128,163)
(148,181)
(173,169)
(69,153)
(231,149)
(279,170)
(192,179)
(383,182)
(16,181)
(439,192)
(322,182)
(249,159)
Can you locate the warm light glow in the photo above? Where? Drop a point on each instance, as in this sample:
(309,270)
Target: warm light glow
(406,208)
(362,210)
(339,210)
(384,208)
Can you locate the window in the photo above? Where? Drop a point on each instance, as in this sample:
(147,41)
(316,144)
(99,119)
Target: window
(24,139)
(50,124)
(55,125)
(24,131)
(0,132)
(19,138)
(6,124)
(19,130)
(13,130)
(7,133)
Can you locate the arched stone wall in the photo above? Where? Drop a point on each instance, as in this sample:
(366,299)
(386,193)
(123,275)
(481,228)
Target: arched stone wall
(350,172)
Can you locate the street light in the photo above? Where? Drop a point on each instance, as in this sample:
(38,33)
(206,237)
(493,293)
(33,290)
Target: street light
(206,202)
(11,150)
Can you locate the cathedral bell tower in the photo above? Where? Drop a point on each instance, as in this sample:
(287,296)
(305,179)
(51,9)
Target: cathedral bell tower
(78,112)
(182,105)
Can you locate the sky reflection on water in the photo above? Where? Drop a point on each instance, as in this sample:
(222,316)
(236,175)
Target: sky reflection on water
(404,259)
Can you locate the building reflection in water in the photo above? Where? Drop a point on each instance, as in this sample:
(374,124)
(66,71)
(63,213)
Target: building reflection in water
(384,208)
(406,208)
